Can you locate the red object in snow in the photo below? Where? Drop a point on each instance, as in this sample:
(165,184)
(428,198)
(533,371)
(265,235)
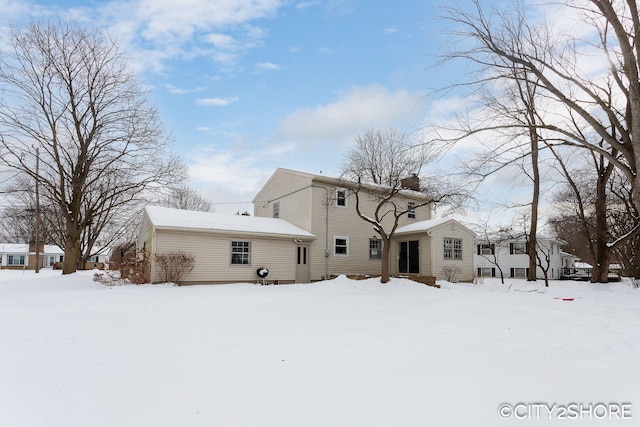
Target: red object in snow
(564,299)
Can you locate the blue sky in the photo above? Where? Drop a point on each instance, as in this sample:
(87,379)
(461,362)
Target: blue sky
(246,86)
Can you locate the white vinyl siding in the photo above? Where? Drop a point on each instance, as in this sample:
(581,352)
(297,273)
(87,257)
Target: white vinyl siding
(291,189)
(212,253)
(309,201)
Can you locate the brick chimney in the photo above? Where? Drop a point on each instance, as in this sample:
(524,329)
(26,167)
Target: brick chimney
(32,246)
(411,183)
(31,257)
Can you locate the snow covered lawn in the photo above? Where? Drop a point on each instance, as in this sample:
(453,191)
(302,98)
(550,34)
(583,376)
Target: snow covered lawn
(337,353)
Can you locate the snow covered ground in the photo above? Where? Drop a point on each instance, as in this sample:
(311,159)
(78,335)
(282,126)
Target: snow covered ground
(339,353)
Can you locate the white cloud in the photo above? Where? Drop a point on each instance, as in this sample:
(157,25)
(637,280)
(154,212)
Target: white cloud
(221,41)
(235,174)
(227,170)
(217,102)
(11,8)
(160,19)
(307,4)
(182,91)
(270,66)
(360,109)
(326,51)
(156,31)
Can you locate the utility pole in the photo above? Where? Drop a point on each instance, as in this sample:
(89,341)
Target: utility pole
(37,211)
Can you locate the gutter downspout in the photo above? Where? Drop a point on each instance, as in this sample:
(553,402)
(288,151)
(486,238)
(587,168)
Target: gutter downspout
(432,257)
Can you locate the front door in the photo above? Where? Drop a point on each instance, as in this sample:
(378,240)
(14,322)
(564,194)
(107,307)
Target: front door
(302,263)
(409,260)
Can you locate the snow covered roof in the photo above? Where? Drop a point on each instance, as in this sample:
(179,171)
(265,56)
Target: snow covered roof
(162,217)
(568,255)
(427,225)
(582,264)
(19,248)
(337,182)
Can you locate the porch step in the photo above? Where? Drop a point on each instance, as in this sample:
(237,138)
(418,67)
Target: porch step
(425,280)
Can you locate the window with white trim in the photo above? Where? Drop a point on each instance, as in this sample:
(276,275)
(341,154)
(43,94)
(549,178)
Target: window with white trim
(15,259)
(341,197)
(411,211)
(341,246)
(519,272)
(276,210)
(487,272)
(486,249)
(518,248)
(375,249)
(452,248)
(240,252)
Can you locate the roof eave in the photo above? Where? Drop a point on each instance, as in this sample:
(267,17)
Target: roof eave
(235,232)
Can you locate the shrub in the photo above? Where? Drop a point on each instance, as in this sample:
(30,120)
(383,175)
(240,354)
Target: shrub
(174,266)
(132,267)
(451,273)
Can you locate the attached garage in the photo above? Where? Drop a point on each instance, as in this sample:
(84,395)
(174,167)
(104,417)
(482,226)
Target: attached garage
(226,248)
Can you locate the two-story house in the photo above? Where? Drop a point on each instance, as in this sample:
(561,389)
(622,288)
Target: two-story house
(305,228)
(346,244)
(511,255)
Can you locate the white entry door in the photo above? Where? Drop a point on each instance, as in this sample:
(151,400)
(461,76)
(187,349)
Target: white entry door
(302,263)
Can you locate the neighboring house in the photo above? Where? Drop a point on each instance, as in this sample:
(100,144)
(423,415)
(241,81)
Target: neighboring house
(511,255)
(98,260)
(23,256)
(582,271)
(346,244)
(227,248)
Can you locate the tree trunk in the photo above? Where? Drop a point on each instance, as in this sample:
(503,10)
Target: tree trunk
(533,231)
(600,272)
(72,253)
(384,277)
(602,256)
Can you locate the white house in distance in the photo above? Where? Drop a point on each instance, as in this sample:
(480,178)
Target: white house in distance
(23,255)
(511,255)
(305,228)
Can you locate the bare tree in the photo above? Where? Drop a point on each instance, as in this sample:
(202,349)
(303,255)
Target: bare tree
(608,104)
(380,162)
(543,258)
(18,219)
(67,91)
(597,205)
(185,197)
